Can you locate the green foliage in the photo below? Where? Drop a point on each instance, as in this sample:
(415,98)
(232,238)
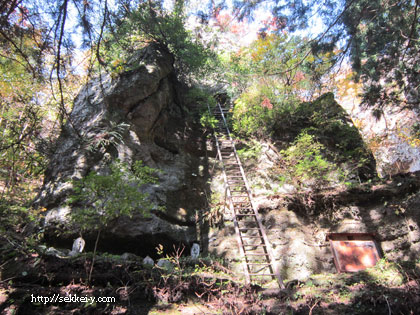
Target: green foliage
(327,147)
(384,50)
(202,100)
(415,130)
(254,112)
(208,121)
(104,198)
(305,160)
(147,23)
(14,215)
(252,151)
(386,273)
(20,228)
(381,37)
(277,80)
(20,119)
(201,97)
(111,135)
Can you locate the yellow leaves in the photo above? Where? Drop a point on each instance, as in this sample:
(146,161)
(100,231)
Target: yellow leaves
(348,90)
(263,46)
(358,123)
(240,107)
(375,143)
(405,135)
(116,62)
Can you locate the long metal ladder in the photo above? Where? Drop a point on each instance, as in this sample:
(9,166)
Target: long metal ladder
(257,256)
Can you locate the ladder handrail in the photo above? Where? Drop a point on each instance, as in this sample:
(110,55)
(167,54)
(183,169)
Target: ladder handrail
(232,208)
(268,248)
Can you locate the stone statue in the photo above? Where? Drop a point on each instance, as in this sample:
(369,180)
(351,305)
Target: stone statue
(78,246)
(195,251)
(148,261)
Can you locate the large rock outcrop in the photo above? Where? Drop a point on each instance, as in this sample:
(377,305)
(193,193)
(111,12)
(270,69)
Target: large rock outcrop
(393,138)
(142,105)
(391,133)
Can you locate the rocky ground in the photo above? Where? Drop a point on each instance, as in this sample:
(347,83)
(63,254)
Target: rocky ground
(201,287)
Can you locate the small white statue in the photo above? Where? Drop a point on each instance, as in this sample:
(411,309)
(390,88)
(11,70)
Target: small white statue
(148,261)
(195,251)
(78,246)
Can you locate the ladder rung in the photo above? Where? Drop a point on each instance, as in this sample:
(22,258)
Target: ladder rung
(259,264)
(251,236)
(255,245)
(245,214)
(248,229)
(262,274)
(245,223)
(256,254)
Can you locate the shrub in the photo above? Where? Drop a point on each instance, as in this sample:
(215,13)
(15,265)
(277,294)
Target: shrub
(107,197)
(253,112)
(104,198)
(304,159)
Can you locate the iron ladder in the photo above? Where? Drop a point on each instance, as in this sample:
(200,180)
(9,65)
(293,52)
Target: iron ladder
(254,247)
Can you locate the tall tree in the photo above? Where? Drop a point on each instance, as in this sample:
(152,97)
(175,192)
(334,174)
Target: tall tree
(381,37)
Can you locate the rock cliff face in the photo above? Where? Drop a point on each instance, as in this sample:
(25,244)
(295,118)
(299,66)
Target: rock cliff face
(142,105)
(393,134)
(392,138)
